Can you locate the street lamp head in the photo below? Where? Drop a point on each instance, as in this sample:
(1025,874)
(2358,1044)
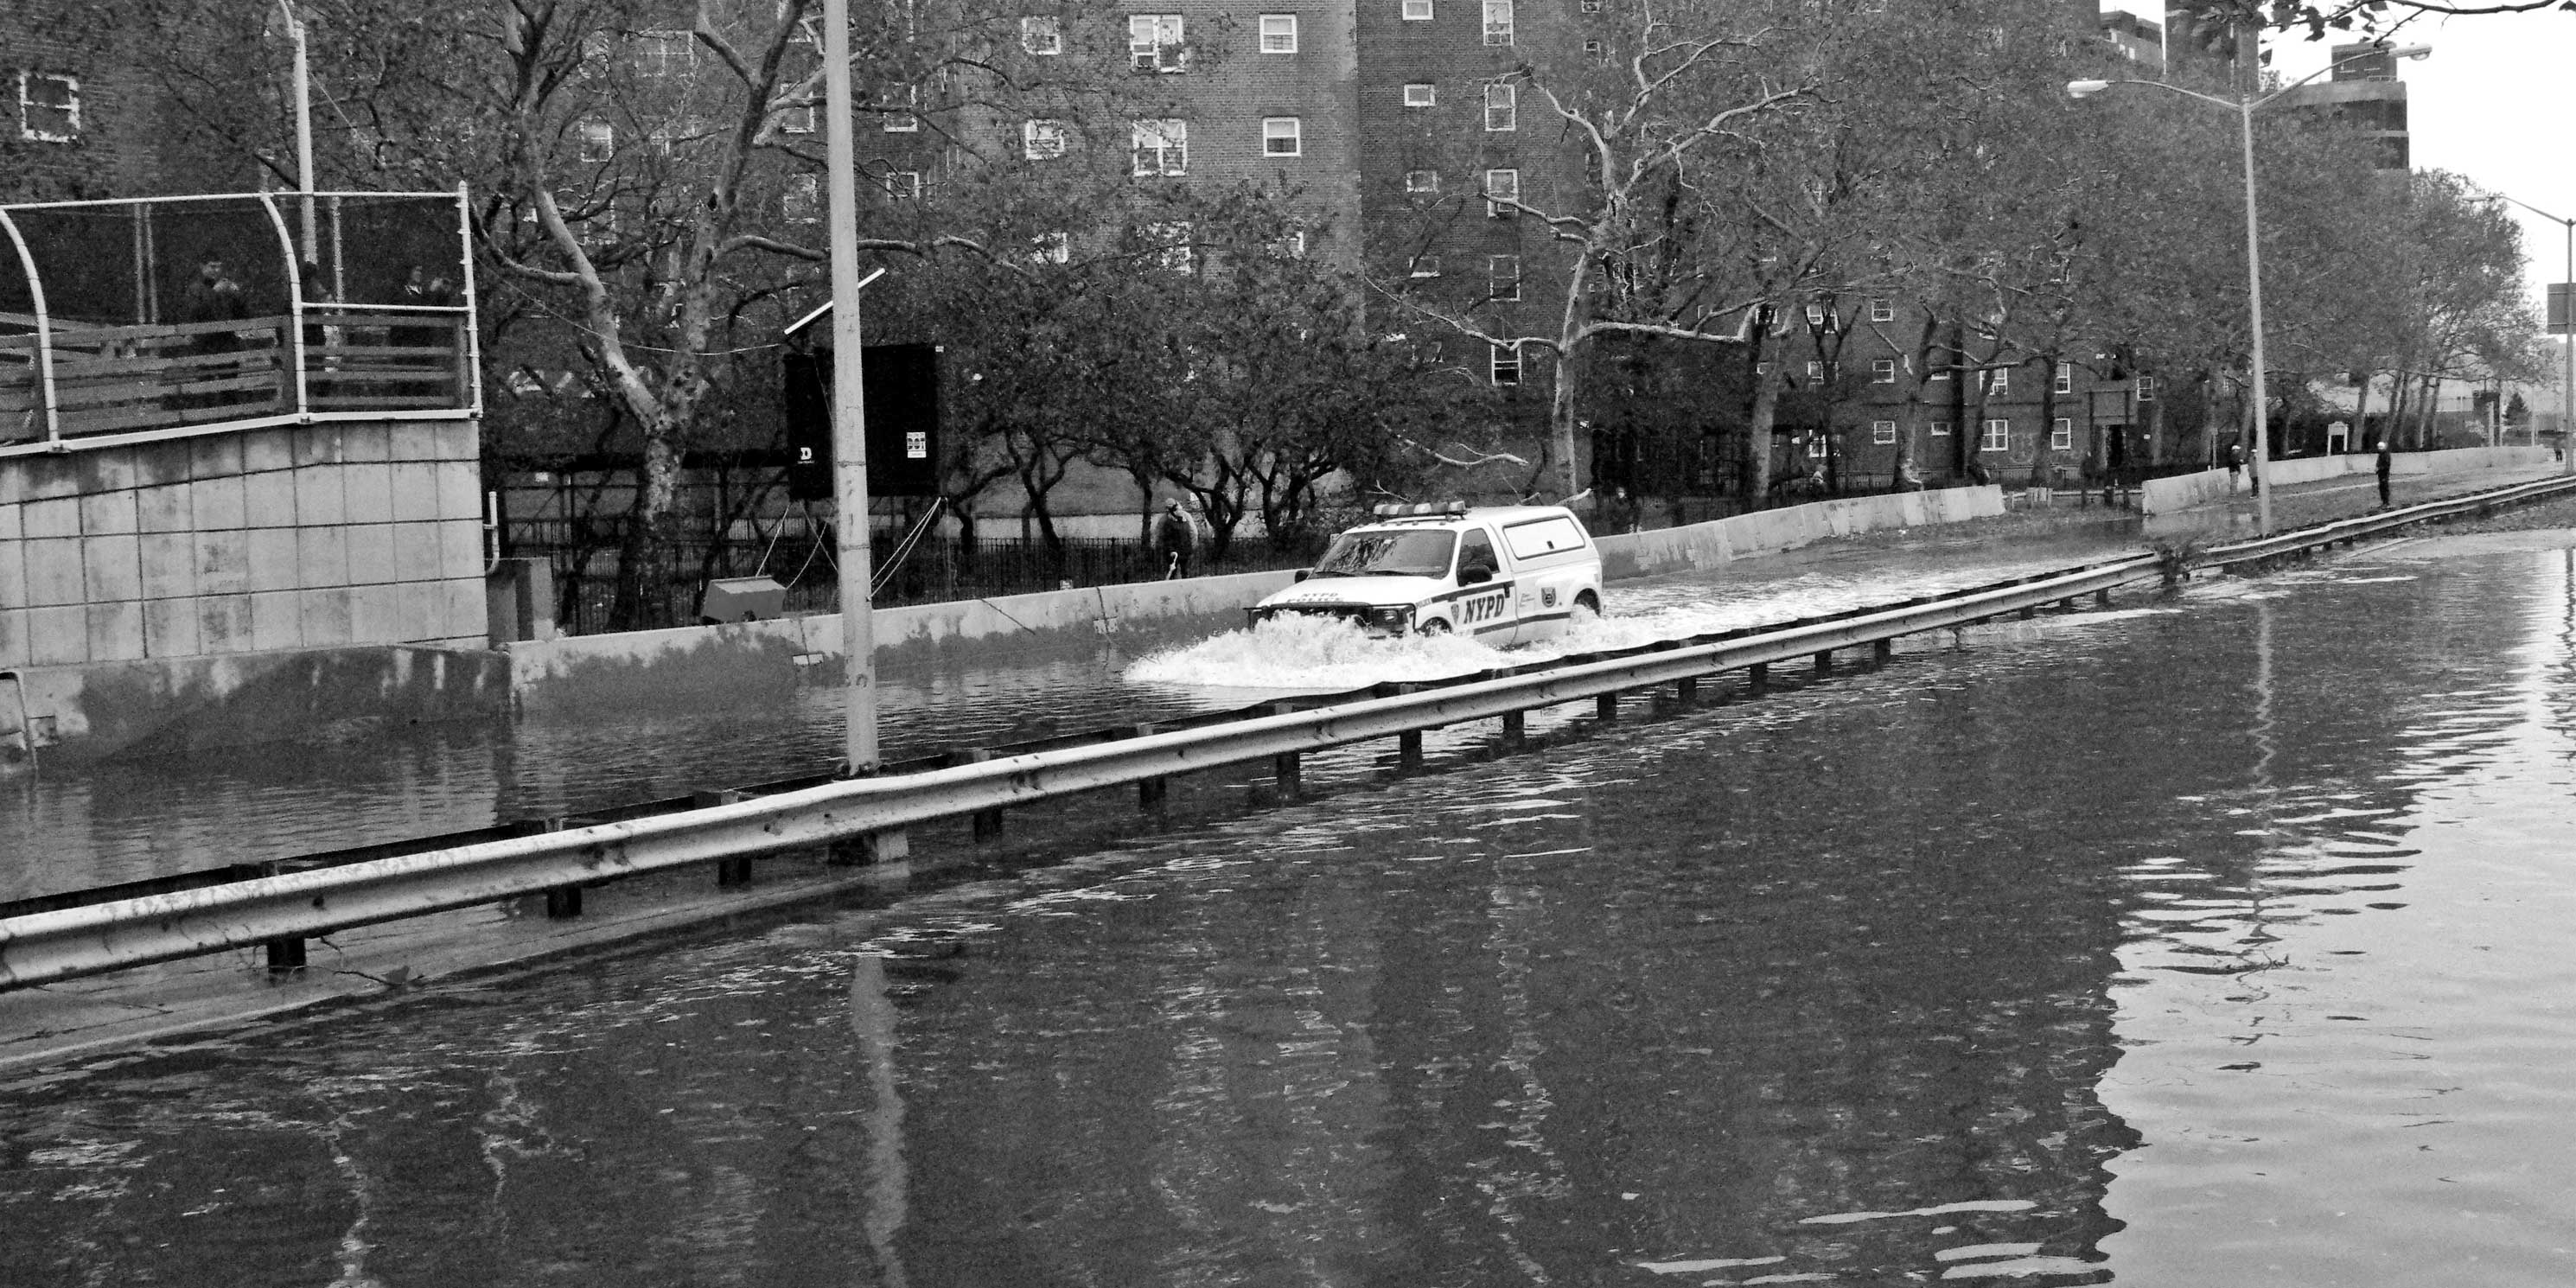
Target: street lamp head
(2085,88)
(2411,51)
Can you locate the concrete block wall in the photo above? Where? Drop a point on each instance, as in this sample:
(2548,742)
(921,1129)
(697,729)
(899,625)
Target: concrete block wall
(2183,491)
(292,537)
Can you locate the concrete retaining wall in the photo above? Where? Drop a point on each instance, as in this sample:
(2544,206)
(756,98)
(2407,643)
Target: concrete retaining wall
(154,705)
(2183,491)
(749,660)
(284,538)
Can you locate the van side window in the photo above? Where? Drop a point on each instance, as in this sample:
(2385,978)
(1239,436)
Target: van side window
(1542,537)
(1476,550)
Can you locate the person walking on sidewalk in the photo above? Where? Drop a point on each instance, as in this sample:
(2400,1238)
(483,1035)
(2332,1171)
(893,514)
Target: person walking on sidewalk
(1176,540)
(2383,473)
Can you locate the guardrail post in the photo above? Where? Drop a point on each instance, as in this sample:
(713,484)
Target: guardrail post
(868,849)
(987,822)
(285,956)
(1686,690)
(1149,791)
(1825,662)
(1606,706)
(2029,611)
(732,870)
(2066,605)
(1880,651)
(1515,729)
(1757,678)
(1285,769)
(2102,598)
(1408,752)
(563,902)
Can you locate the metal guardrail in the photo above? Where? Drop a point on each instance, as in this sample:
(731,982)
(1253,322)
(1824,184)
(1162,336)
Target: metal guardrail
(72,942)
(181,919)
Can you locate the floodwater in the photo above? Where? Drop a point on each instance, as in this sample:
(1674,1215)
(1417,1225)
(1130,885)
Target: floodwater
(2223,938)
(137,816)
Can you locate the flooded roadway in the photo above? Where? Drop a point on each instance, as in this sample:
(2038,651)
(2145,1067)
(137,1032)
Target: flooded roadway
(139,816)
(2219,939)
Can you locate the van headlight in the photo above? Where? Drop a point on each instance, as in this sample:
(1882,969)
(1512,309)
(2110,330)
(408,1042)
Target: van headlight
(1398,618)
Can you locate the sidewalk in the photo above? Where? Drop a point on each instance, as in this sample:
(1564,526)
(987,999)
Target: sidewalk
(2306,504)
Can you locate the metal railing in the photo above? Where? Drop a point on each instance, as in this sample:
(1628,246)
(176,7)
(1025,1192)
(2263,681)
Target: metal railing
(134,319)
(72,942)
(71,937)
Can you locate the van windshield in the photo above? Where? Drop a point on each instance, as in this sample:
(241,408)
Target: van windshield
(1388,552)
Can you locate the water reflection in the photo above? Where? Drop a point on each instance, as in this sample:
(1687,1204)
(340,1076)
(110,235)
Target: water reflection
(2221,940)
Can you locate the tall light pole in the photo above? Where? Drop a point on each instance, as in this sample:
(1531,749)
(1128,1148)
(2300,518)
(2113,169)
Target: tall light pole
(2244,105)
(303,125)
(849,411)
(2566,319)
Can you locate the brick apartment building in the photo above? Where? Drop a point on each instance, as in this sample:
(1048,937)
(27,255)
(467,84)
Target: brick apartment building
(87,123)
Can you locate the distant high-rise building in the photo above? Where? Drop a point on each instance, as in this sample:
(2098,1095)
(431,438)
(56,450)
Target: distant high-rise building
(2365,93)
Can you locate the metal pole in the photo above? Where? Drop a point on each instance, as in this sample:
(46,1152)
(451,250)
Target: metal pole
(849,412)
(2254,298)
(303,124)
(2567,390)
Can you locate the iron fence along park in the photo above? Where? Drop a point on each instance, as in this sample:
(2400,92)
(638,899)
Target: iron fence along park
(161,315)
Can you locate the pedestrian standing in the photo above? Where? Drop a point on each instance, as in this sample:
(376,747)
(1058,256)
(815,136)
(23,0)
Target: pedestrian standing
(2235,463)
(2383,473)
(1175,540)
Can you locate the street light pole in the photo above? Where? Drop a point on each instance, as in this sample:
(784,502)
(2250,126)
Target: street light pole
(303,125)
(2566,318)
(849,412)
(2254,303)
(2244,105)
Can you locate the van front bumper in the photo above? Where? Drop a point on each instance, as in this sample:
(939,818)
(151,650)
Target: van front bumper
(1372,619)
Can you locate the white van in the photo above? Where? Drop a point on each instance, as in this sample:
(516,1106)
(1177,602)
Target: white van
(1502,574)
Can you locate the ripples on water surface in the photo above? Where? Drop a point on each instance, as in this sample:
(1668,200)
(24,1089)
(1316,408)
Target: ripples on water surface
(2217,941)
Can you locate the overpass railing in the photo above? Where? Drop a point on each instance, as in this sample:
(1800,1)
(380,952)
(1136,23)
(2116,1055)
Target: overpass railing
(125,320)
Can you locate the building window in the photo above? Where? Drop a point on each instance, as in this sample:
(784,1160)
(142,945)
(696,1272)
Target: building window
(1502,194)
(1417,10)
(1997,438)
(1816,371)
(1819,316)
(1592,6)
(1498,22)
(1281,136)
(1419,94)
(1507,364)
(1998,382)
(1936,365)
(48,106)
(2065,379)
(1882,432)
(1042,36)
(1762,368)
(1154,42)
(1882,310)
(1279,33)
(1502,107)
(2146,389)
(599,141)
(1818,445)
(2061,434)
(1425,266)
(904,185)
(796,118)
(1592,49)
(664,53)
(1422,181)
(1042,138)
(802,201)
(1503,276)
(1940,429)
(1162,146)
(1052,248)
(904,122)
(1289,245)
(1882,371)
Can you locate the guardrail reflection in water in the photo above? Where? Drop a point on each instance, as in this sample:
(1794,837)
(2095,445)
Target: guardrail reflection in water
(71,942)
(143,317)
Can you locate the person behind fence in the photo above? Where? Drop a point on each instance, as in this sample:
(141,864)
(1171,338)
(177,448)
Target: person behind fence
(2235,463)
(2383,473)
(213,297)
(1175,540)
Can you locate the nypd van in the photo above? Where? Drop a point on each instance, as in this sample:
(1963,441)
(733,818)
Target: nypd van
(1500,574)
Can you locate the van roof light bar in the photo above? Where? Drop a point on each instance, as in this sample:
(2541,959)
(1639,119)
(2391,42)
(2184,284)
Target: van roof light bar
(1391,510)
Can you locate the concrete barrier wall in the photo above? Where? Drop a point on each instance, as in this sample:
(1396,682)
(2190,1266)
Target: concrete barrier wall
(2182,491)
(283,538)
(695,665)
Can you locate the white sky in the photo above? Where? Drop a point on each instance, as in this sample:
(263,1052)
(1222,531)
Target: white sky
(2493,102)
